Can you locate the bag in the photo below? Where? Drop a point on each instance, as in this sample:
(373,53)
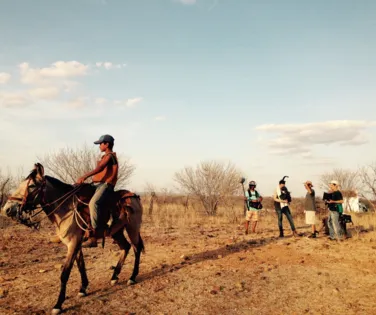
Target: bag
(339,208)
(255,205)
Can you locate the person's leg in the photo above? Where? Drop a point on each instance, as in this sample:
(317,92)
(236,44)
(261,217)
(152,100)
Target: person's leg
(330,225)
(287,212)
(280,226)
(247,219)
(254,221)
(288,215)
(95,206)
(95,203)
(336,226)
(311,220)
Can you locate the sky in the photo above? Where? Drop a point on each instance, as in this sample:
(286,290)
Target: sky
(275,87)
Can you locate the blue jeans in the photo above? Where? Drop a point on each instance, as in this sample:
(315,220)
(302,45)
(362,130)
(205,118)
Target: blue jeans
(286,211)
(335,230)
(96,205)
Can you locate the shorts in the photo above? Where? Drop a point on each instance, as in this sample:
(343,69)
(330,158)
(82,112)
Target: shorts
(310,217)
(252,215)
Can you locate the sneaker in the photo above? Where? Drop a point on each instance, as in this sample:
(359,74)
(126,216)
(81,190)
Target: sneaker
(313,235)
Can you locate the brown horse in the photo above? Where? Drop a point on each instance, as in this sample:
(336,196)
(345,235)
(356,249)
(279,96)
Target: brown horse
(60,202)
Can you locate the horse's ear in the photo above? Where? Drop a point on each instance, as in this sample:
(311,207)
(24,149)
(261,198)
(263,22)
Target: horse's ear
(39,171)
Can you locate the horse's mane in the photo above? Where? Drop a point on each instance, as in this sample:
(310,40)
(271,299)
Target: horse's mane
(59,184)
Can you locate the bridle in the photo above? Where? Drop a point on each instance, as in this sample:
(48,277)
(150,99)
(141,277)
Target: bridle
(38,198)
(35,193)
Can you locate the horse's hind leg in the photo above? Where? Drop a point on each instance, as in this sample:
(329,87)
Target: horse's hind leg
(81,267)
(73,249)
(138,243)
(124,246)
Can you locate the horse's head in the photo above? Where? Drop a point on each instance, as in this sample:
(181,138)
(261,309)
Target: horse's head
(26,197)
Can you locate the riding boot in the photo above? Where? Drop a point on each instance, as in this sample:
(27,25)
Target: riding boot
(91,241)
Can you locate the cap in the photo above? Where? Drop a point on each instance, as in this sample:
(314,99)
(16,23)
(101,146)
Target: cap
(252,183)
(105,138)
(334,182)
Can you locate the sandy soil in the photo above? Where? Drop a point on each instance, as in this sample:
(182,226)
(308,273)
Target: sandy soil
(201,269)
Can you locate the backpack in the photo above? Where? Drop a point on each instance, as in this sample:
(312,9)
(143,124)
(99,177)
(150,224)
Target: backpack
(256,205)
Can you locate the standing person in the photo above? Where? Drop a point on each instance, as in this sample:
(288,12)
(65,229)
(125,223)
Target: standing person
(104,180)
(253,199)
(310,207)
(282,199)
(335,207)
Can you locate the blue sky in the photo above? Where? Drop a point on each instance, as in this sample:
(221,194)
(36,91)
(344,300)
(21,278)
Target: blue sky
(276,87)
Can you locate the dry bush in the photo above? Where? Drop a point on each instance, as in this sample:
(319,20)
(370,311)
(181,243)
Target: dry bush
(213,183)
(347,179)
(367,176)
(68,164)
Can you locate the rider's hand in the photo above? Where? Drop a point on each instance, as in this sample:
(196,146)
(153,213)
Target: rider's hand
(80,180)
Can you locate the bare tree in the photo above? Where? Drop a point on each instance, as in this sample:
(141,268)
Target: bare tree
(211,182)
(348,180)
(68,164)
(7,183)
(367,176)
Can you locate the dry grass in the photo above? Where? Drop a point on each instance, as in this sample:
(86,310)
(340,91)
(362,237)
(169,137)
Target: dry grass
(195,264)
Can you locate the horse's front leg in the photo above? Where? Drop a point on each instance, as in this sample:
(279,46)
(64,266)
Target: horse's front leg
(81,267)
(73,248)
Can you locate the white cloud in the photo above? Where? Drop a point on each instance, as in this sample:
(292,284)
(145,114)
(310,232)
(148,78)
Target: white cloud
(300,138)
(69,86)
(129,102)
(4,77)
(47,93)
(188,1)
(13,99)
(109,65)
(78,102)
(101,101)
(160,118)
(59,69)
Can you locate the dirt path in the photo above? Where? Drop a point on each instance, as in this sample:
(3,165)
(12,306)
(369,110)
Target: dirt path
(221,272)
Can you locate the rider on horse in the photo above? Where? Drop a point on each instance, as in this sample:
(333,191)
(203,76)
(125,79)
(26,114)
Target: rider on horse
(105,176)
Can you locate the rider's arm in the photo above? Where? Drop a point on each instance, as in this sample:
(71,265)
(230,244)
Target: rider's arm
(101,166)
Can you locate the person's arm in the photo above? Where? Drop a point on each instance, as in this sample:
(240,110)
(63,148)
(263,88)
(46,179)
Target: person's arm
(308,189)
(100,167)
(276,199)
(337,195)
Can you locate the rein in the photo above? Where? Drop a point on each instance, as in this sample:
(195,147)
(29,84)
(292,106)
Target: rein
(37,192)
(65,197)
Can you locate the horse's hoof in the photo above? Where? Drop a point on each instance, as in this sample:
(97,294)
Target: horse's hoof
(131,282)
(56,311)
(113,282)
(82,294)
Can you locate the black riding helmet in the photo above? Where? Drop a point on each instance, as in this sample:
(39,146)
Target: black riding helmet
(252,183)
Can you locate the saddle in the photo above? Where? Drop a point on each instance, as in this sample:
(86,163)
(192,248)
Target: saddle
(118,206)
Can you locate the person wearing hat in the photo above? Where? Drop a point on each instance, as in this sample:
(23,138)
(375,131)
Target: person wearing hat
(310,207)
(105,176)
(282,199)
(336,200)
(254,200)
